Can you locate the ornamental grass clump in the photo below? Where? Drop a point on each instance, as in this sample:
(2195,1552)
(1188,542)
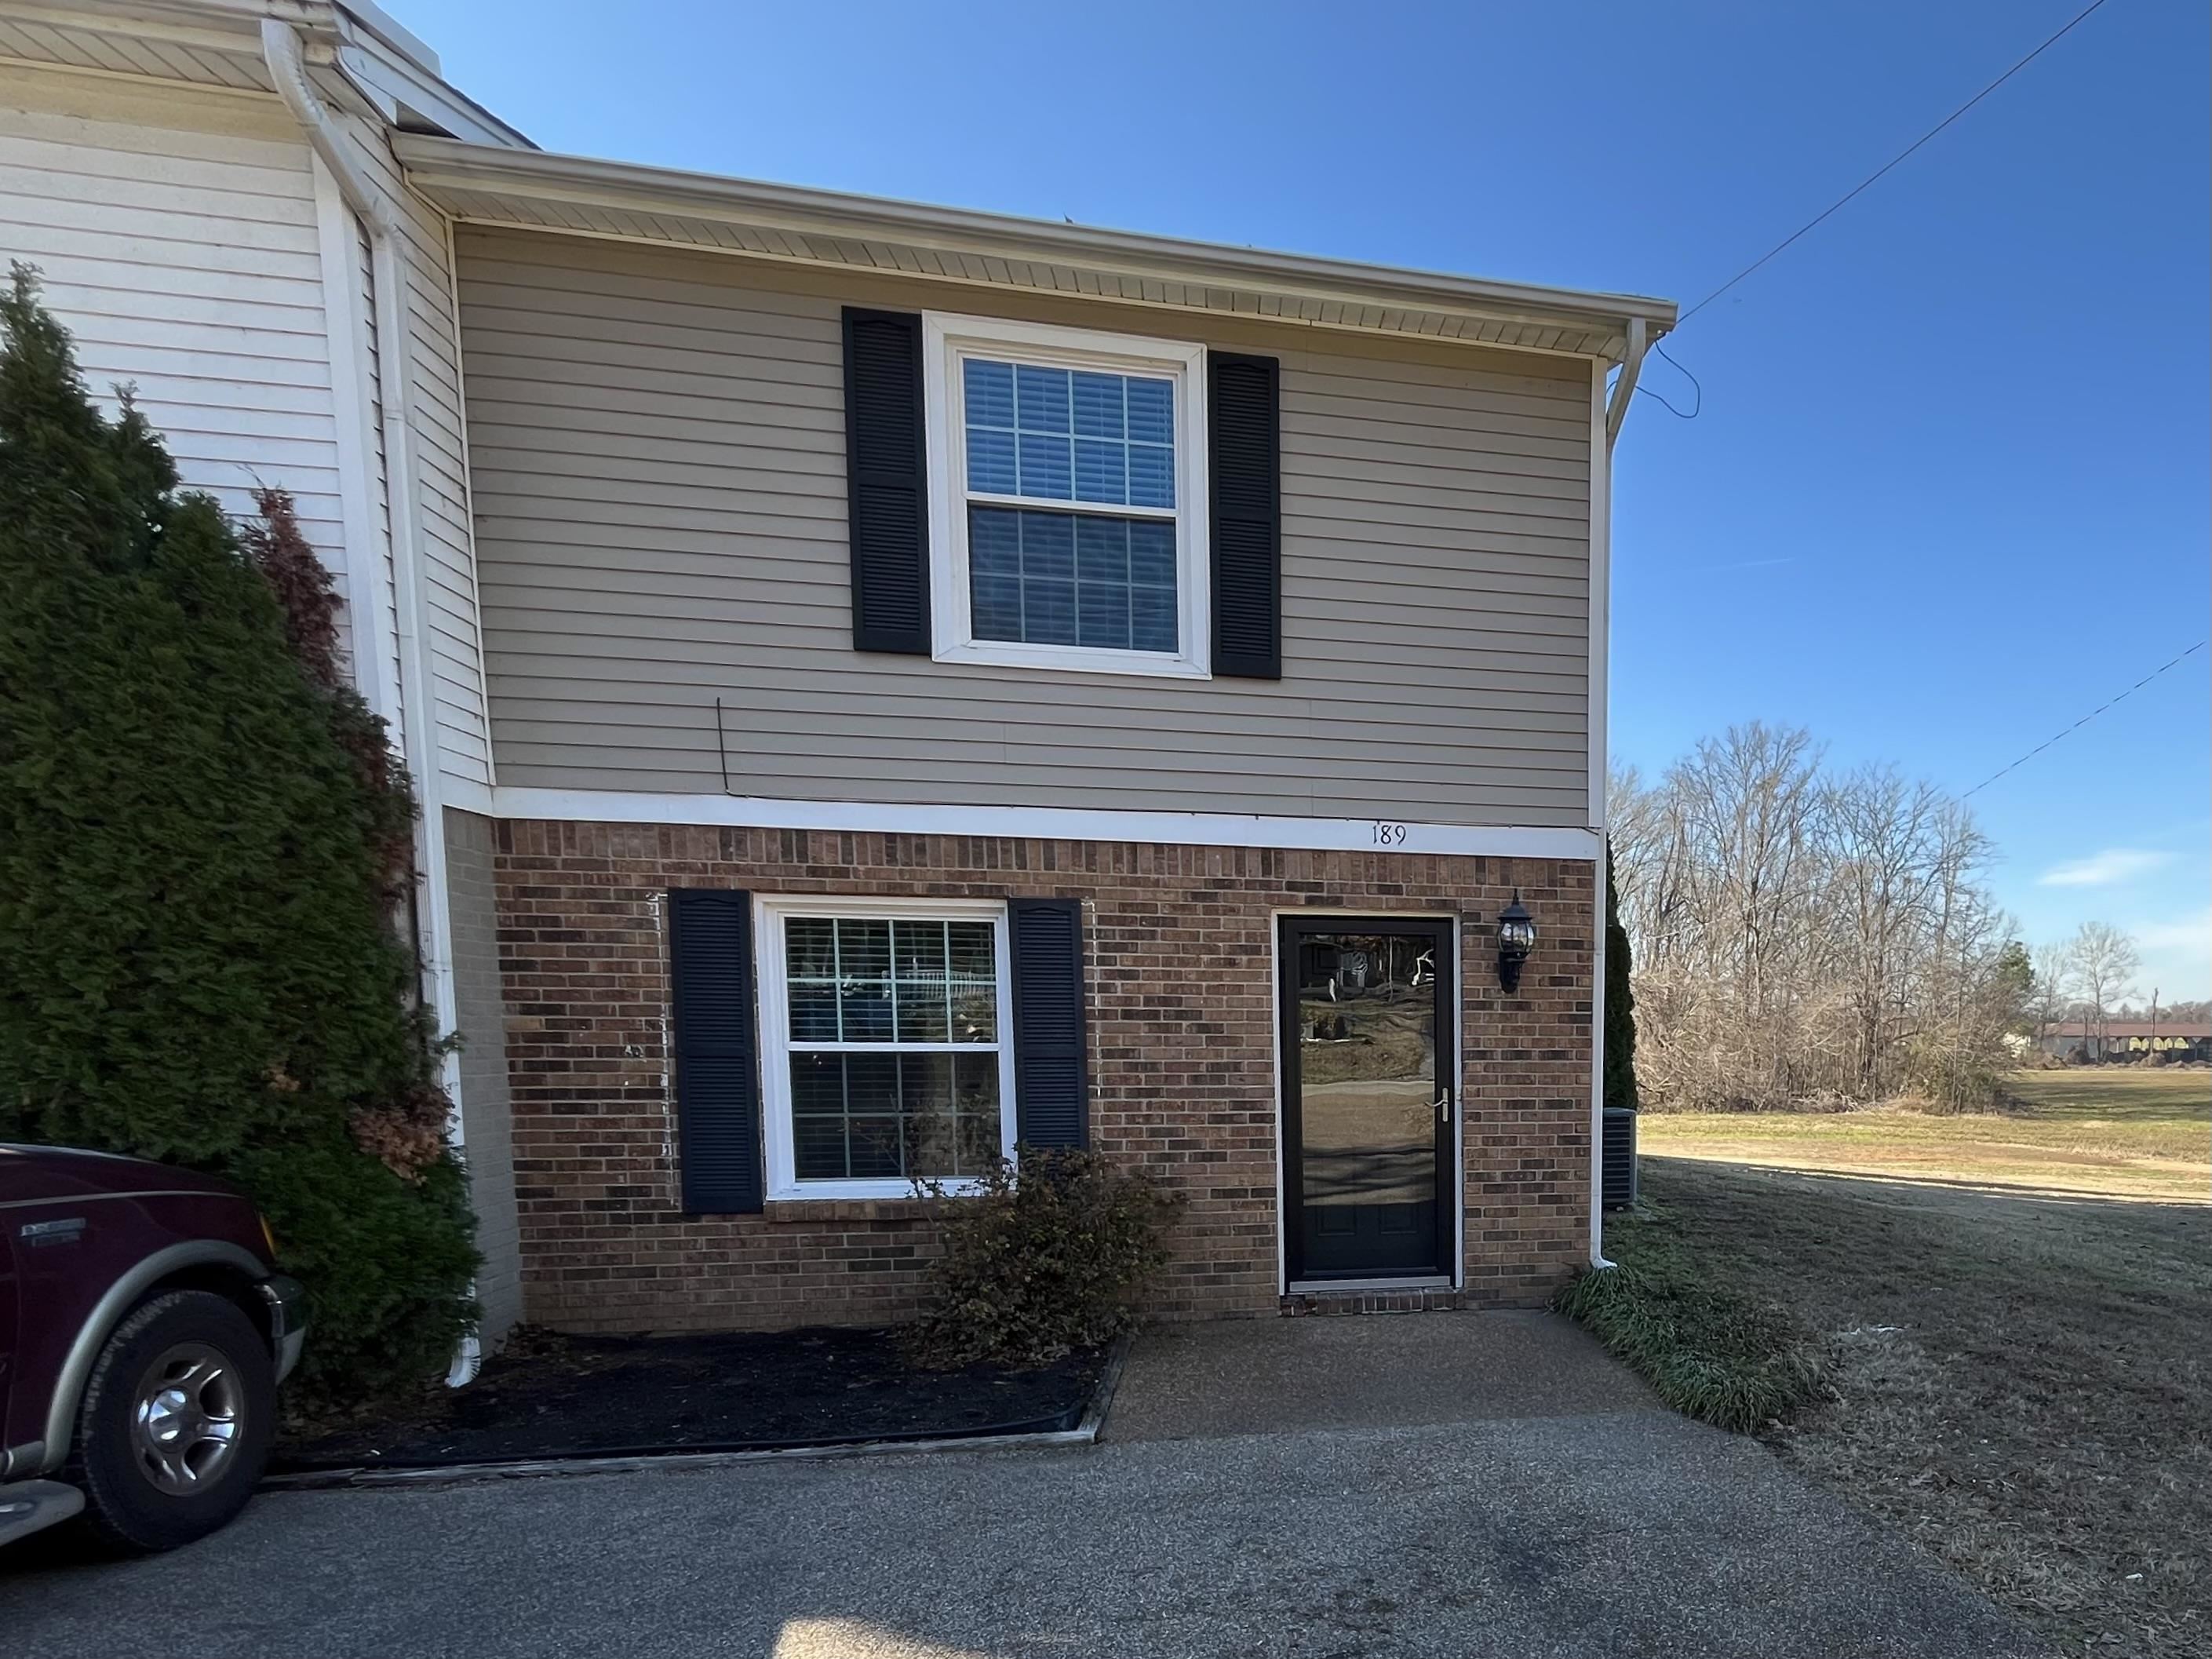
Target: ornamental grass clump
(202,835)
(1044,1259)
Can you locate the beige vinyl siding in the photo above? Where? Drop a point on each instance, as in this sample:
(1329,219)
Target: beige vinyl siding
(180,248)
(658,446)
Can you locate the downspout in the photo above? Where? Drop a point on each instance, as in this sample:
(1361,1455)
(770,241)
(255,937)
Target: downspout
(288,71)
(1623,388)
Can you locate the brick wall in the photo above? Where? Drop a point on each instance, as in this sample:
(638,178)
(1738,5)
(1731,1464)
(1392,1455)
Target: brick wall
(1180,947)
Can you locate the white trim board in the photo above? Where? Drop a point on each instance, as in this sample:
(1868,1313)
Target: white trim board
(1034,822)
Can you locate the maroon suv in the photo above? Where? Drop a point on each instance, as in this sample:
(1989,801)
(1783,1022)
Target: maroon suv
(143,1330)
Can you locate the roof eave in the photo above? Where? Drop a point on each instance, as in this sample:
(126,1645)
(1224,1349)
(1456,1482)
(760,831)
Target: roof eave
(1315,290)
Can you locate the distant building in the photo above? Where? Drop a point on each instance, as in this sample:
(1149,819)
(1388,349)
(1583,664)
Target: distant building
(2128,1039)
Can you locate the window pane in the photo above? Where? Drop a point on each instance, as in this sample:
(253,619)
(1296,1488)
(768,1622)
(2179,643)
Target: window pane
(1048,612)
(926,1084)
(810,947)
(1085,579)
(1151,553)
(1100,472)
(818,1085)
(1152,476)
(995,541)
(1062,434)
(975,1011)
(1101,616)
(814,1010)
(1151,411)
(990,388)
(1098,405)
(864,949)
(1102,549)
(1046,467)
(995,603)
(1152,622)
(973,955)
(918,949)
(1040,398)
(817,1146)
(991,461)
(1048,546)
(921,1010)
(876,1147)
(896,1111)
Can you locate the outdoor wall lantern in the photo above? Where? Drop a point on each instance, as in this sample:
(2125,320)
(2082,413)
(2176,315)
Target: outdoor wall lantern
(1517,938)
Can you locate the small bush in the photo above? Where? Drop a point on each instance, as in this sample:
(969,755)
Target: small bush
(1046,1258)
(1712,1353)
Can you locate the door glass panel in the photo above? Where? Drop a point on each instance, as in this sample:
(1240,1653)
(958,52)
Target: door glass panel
(1367,1102)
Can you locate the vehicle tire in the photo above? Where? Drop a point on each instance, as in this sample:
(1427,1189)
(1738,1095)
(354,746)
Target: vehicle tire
(176,1423)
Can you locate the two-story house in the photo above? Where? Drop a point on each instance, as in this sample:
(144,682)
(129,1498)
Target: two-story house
(896,683)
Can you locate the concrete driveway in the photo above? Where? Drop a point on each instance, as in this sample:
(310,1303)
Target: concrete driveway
(1448,1485)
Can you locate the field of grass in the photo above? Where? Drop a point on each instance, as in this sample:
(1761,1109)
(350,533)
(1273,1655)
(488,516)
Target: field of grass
(2123,1133)
(2007,1316)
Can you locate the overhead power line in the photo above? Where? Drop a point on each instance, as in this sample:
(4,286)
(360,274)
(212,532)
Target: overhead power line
(1864,184)
(2085,718)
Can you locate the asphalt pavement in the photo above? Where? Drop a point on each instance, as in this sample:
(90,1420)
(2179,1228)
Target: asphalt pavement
(1431,1530)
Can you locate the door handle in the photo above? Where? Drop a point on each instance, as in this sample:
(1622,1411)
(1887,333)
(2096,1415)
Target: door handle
(1444,1107)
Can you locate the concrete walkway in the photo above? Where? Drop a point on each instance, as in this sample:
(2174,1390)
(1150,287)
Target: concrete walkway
(1591,1524)
(1282,1375)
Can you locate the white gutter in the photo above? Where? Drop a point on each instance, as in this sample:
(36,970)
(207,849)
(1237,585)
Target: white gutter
(281,51)
(1631,365)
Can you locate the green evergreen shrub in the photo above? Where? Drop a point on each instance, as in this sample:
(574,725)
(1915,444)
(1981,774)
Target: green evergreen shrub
(1046,1258)
(1619,1002)
(197,962)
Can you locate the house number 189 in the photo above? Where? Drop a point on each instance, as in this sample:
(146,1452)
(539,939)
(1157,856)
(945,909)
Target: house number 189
(1389,835)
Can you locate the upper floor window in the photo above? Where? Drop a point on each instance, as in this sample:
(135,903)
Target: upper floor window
(1068,485)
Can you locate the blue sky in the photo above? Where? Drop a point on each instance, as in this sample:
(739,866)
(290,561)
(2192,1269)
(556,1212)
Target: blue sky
(1949,489)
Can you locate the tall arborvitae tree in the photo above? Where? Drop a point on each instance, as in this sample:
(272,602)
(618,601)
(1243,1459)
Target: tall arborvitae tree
(197,962)
(1620,1001)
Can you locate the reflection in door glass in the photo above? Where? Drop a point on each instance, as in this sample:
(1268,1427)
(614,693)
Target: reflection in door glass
(1367,1096)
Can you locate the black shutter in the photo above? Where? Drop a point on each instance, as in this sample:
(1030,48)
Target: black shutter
(886,481)
(1244,427)
(1051,1063)
(710,971)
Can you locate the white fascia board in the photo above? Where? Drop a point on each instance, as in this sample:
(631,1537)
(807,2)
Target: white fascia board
(1036,823)
(436,162)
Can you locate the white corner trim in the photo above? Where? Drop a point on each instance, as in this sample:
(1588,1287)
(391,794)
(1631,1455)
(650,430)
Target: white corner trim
(1600,592)
(1043,823)
(1598,1067)
(1600,584)
(369,625)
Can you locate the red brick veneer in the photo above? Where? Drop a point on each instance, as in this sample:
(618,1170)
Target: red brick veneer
(1179,963)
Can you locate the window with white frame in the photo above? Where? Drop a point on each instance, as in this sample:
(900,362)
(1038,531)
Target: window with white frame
(888,1057)
(1068,489)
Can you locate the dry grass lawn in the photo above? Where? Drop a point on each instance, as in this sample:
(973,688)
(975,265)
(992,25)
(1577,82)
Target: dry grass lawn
(2012,1315)
(2119,1133)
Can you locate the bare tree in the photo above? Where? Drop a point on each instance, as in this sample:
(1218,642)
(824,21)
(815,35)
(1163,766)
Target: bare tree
(2050,990)
(1801,934)
(2105,961)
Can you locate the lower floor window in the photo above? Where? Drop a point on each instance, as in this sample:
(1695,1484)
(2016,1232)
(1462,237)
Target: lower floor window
(886,1030)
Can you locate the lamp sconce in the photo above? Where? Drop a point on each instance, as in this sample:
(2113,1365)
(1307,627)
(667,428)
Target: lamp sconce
(1517,938)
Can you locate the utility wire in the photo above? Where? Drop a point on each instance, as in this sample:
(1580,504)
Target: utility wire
(2085,718)
(1696,409)
(1901,155)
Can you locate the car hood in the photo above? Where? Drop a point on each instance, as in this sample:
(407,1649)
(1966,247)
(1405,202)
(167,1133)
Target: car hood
(37,1172)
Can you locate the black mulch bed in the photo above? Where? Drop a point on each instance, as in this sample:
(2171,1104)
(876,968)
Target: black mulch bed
(554,1396)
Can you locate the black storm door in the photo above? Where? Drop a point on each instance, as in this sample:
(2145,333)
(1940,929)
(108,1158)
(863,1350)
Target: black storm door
(1367,1008)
